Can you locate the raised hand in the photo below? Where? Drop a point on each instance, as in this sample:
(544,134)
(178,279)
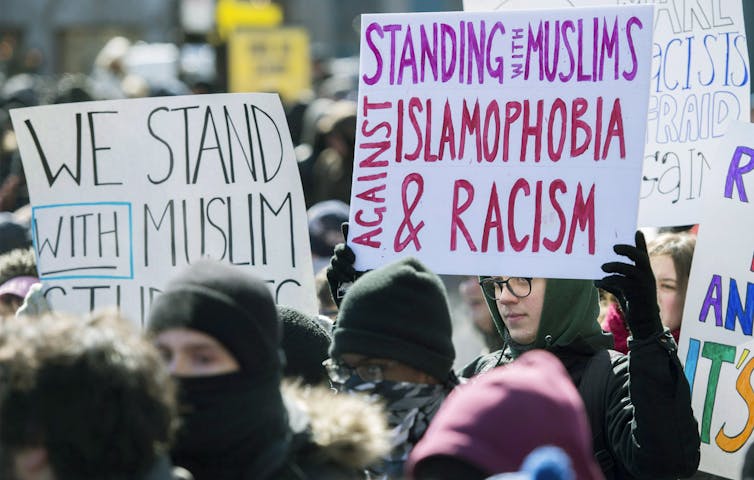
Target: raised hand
(341,270)
(634,287)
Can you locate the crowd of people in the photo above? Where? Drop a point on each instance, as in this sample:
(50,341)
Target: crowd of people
(575,379)
(224,384)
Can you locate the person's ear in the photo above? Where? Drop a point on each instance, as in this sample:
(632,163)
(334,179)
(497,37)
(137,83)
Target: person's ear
(33,464)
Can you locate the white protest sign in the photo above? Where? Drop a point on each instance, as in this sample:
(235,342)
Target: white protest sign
(500,143)
(490,5)
(716,338)
(125,194)
(700,82)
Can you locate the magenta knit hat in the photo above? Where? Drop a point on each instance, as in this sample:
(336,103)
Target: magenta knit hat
(498,418)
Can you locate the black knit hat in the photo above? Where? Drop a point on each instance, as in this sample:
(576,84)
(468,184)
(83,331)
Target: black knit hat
(12,234)
(399,312)
(228,304)
(305,344)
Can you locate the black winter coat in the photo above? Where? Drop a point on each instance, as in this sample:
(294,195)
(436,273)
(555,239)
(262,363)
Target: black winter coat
(639,405)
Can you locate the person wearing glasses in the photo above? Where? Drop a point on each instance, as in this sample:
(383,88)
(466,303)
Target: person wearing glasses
(392,342)
(639,405)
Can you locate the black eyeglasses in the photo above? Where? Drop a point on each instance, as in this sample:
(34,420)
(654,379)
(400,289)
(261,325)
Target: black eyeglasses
(341,372)
(492,287)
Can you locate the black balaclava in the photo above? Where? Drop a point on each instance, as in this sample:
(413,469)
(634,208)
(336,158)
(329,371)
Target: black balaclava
(234,425)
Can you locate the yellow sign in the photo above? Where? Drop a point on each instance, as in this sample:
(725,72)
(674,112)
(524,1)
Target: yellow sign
(269,60)
(232,14)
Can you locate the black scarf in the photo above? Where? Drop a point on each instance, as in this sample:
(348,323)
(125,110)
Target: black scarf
(228,423)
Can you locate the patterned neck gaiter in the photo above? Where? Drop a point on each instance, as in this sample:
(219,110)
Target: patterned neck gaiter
(410,408)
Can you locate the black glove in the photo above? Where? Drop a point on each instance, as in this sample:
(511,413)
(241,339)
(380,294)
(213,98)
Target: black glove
(341,271)
(634,287)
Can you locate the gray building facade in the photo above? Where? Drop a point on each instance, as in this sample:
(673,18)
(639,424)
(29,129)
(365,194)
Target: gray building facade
(65,35)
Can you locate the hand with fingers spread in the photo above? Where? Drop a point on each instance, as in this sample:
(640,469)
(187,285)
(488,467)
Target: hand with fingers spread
(634,287)
(341,270)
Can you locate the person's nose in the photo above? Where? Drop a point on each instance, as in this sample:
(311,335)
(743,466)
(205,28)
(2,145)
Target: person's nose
(179,366)
(506,297)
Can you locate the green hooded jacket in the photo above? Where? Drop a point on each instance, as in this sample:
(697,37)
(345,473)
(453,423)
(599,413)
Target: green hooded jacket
(639,406)
(568,321)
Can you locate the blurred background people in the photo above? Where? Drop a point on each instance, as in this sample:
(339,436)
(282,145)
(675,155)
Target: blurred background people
(13,235)
(473,299)
(474,332)
(18,272)
(324,220)
(326,306)
(670,255)
(333,168)
(109,68)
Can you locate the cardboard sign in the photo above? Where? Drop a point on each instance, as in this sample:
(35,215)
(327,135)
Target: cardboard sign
(127,193)
(716,337)
(700,82)
(234,14)
(500,143)
(270,60)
